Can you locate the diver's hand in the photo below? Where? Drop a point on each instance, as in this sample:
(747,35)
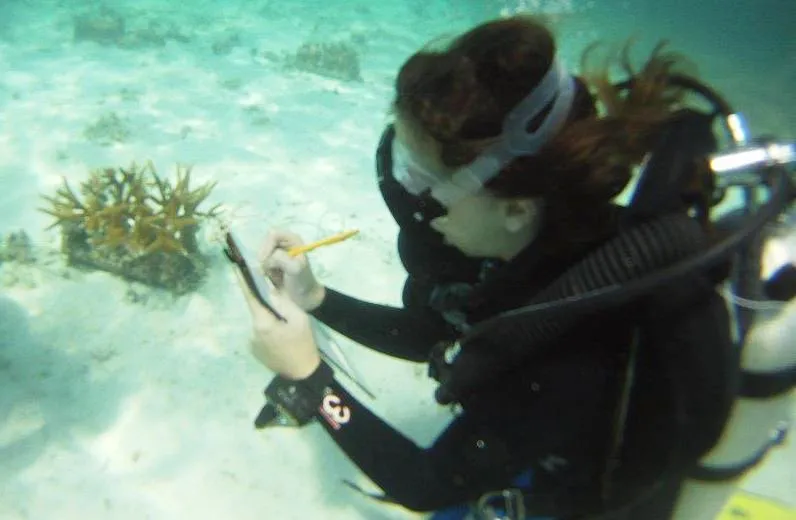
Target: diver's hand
(291,274)
(285,347)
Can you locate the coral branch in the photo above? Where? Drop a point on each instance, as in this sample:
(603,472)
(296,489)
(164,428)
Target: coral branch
(131,221)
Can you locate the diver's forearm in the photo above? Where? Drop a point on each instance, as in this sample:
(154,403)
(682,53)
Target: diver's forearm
(397,332)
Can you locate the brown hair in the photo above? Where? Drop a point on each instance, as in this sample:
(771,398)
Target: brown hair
(460,95)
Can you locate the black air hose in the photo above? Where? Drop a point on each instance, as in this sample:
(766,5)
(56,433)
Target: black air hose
(643,249)
(646,248)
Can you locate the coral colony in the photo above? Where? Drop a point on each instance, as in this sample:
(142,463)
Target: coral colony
(132,223)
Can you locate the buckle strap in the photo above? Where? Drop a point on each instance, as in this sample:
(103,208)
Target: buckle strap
(506,504)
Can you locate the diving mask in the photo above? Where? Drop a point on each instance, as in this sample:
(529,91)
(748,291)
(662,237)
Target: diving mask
(557,87)
(413,176)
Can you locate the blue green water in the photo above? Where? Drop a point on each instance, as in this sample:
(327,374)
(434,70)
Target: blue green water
(122,402)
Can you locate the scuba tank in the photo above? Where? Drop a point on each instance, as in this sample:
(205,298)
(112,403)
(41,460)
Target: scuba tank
(761,415)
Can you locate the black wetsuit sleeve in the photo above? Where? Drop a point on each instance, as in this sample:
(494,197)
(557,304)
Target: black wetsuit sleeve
(399,332)
(474,454)
(416,478)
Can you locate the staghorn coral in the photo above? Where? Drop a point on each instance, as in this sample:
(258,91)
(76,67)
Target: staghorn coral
(131,222)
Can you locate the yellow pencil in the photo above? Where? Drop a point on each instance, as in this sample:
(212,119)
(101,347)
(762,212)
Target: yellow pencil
(306,248)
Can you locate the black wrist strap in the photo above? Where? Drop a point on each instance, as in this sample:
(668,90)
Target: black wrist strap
(294,403)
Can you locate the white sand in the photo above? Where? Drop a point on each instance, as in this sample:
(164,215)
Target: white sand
(116,409)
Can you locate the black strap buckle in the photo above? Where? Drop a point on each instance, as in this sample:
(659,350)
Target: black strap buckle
(506,504)
(273,415)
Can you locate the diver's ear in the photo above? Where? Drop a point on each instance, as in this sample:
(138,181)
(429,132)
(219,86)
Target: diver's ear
(520,214)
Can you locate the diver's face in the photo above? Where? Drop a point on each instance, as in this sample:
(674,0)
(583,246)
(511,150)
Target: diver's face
(479,224)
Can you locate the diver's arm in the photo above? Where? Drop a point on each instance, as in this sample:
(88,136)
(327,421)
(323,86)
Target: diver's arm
(404,333)
(472,455)
(416,478)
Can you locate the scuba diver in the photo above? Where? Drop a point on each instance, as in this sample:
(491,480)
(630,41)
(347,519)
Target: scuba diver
(588,358)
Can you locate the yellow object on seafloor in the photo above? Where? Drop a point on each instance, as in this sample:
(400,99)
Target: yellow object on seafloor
(748,506)
(295,251)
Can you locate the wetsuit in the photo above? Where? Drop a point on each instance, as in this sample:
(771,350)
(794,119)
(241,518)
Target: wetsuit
(548,426)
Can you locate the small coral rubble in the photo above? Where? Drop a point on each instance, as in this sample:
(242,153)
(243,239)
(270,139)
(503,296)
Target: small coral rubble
(133,223)
(336,60)
(105,27)
(135,29)
(107,130)
(16,247)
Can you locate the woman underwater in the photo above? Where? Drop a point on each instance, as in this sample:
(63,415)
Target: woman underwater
(487,220)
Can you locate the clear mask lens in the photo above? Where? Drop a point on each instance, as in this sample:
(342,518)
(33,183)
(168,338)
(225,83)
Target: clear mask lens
(412,176)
